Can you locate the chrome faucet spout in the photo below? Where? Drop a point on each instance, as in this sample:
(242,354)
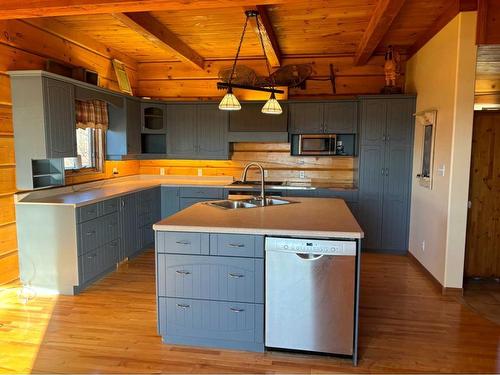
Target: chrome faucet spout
(262,180)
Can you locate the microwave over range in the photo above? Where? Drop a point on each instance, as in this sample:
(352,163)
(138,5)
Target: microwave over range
(316,144)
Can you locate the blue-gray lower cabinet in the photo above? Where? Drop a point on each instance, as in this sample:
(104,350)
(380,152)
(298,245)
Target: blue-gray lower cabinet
(210,289)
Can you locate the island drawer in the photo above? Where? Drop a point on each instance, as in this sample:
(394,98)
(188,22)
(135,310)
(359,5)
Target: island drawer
(201,192)
(237,245)
(182,243)
(89,234)
(86,213)
(211,278)
(212,323)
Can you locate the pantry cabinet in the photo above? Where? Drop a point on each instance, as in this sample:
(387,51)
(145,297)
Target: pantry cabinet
(386,146)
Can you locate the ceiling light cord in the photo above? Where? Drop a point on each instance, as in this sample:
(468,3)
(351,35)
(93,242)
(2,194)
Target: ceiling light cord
(238,51)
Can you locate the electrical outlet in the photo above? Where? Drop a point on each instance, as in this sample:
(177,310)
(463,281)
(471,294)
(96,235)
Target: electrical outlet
(302,174)
(266,173)
(162,171)
(423,245)
(115,171)
(200,172)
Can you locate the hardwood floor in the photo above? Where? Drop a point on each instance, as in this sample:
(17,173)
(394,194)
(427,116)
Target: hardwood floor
(405,326)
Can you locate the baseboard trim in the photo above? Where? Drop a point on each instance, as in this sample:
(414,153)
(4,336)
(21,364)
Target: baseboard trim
(445,291)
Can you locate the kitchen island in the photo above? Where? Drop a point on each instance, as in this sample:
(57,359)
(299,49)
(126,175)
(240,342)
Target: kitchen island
(215,284)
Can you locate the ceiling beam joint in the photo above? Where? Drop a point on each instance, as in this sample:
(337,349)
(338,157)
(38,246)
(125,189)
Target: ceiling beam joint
(158,34)
(384,14)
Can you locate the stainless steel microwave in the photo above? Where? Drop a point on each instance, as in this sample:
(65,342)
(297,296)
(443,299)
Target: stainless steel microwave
(315,144)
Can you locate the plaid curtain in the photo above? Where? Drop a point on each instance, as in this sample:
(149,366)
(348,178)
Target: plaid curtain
(92,114)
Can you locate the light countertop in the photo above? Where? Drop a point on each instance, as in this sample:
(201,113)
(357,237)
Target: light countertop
(88,193)
(308,217)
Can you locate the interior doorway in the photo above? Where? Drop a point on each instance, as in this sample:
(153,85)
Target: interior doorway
(482,250)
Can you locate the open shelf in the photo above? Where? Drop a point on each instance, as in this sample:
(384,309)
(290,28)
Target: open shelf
(47,173)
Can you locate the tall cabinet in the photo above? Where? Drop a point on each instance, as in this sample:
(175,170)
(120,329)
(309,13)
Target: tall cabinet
(385,157)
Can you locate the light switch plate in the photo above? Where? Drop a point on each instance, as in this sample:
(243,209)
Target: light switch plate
(302,174)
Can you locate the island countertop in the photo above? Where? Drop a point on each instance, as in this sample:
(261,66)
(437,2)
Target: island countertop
(309,217)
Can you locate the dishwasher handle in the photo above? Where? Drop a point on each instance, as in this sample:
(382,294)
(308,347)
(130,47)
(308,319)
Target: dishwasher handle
(308,256)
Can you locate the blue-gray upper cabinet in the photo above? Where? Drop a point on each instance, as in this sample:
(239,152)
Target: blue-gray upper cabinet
(154,118)
(339,117)
(170,200)
(251,125)
(212,128)
(197,131)
(43,113)
(305,118)
(384,171)
(181,136)
(59,100)
(123,137)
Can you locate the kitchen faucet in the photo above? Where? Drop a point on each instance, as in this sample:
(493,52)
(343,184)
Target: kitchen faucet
(262,182)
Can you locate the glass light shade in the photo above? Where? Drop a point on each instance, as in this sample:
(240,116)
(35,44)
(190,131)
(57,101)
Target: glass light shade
(272,106)
(229,102)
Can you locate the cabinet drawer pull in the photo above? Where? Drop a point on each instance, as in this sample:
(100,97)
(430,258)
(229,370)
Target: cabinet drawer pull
(236,310)
(236,275)
(90,233)
(113,244)
(182,272)
(91,256)
(183,306)
(236,245)
(183,242)
(91,211)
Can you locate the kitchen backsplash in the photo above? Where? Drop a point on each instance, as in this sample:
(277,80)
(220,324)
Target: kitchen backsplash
(274,157)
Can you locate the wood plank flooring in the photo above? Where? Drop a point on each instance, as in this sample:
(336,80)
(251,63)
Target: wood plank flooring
(405,326)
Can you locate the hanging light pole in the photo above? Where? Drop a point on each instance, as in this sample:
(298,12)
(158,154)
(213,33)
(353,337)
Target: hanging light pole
(229,102)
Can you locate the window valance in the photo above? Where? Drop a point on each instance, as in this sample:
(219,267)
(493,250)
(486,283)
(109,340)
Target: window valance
(92,114)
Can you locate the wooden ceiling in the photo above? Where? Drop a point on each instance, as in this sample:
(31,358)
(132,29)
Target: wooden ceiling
(210,30)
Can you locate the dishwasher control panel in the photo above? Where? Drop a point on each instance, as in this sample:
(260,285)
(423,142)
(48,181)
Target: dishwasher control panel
(311,246)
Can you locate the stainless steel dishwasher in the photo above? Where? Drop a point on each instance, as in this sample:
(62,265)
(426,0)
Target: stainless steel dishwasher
(310,295)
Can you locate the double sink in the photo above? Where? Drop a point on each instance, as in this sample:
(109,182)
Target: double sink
(230,204)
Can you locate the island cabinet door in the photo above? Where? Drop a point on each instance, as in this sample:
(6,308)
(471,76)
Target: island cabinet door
(213,278)
(228,324)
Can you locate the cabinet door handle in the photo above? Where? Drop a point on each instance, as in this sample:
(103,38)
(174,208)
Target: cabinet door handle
(382,171)
(183,272)
(90,233)
(384,138)
(387,171)
(183,242)
(235,275)
(236,310)
(183,306)
(236,245)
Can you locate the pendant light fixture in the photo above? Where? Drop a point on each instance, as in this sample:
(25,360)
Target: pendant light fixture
(229,102)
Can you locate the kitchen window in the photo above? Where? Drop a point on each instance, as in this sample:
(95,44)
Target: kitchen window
(90,151)
(91,125)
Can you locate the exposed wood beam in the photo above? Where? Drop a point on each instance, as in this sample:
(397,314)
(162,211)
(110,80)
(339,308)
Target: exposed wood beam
(454,7)
(157,33)
(384,14)
(59,29)
(269,37)
(14,9)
